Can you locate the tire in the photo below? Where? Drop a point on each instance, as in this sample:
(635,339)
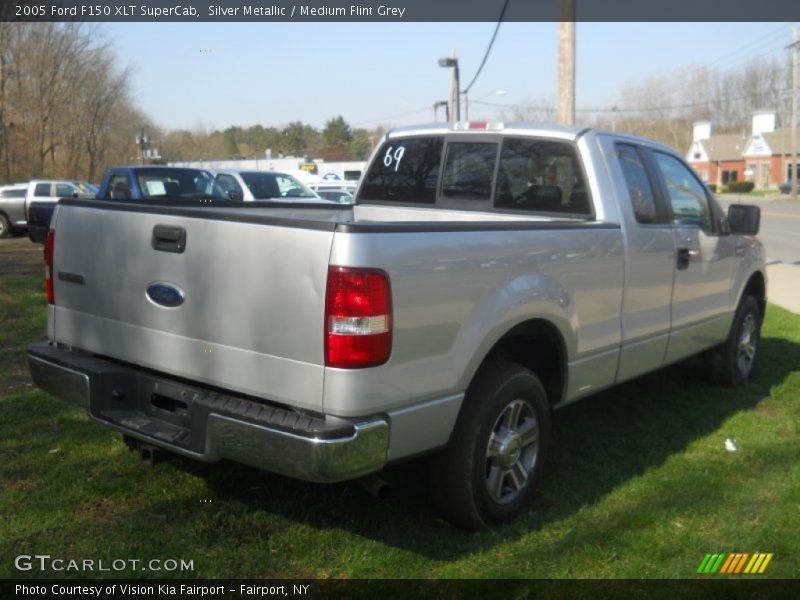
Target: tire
(733,362)
(490,469)
(5,226)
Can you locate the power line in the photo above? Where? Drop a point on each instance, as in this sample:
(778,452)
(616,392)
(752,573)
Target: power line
(394,116)
(489,48)
(748,46)
(766,47)
(621,110)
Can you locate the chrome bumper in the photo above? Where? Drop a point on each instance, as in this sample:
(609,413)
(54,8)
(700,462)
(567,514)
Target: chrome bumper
(208,426)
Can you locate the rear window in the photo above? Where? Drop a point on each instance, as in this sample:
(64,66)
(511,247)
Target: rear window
(468,170)
(13,193)
(178,183)
(42,189)
(541,176)
(404,170)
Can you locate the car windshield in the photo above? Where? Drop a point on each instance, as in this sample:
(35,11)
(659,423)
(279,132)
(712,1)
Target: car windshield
(275,185)
(336,196)
(84,187)
(178,183)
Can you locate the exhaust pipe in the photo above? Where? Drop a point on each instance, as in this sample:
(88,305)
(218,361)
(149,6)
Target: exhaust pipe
(377,487)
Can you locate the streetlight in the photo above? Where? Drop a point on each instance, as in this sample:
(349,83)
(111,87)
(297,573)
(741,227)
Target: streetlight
(141,141)
(455,86)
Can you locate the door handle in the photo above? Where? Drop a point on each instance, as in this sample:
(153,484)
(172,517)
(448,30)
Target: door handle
(685,256)
(169,239)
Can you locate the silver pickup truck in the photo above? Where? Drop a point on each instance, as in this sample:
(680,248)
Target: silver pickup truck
(487,275)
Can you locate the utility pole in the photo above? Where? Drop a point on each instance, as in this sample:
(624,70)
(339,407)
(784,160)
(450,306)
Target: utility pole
(566,62)
(455,99)
(795,43)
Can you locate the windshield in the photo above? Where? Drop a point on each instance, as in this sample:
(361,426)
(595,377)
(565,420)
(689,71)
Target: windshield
(85,187)
(178,183)
(275,185)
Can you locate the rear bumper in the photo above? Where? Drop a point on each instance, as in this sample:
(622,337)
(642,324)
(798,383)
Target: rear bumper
(207,425)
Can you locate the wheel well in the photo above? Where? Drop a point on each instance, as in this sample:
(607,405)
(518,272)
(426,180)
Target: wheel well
(757,289)
(537,345)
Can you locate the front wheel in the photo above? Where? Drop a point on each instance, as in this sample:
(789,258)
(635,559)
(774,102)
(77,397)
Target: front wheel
(733,362)
(488,472)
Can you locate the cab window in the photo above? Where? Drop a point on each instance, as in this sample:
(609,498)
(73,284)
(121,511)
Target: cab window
(642,198)
(64,190)
(541,176)
(686,195)
(468,170)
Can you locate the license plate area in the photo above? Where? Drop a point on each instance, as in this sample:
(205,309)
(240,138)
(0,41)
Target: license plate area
(166,401)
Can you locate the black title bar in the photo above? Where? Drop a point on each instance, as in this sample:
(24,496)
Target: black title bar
(397,10)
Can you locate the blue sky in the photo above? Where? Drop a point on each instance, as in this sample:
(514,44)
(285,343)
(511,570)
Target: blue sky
(188,75)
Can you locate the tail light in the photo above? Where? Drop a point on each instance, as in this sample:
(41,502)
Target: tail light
(358,318)
(48,266)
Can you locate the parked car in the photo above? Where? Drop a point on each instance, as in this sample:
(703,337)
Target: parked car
(487,275)
(145,182)
(334,185)
(12,209)
(140,182)
(51,190)
(42,196)
(338,196)
(248,186)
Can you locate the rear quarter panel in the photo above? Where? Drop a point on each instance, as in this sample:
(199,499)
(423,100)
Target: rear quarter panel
(455,294)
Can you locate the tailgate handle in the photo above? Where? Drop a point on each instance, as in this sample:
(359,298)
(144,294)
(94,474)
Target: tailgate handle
(169,239)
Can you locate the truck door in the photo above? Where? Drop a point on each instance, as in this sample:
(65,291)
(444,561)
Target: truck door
(650,261)
(704,261)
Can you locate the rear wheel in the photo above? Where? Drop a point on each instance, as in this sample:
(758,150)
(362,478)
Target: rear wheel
(489,470)
(733,362)
(5,226)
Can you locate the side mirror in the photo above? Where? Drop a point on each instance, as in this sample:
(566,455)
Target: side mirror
(74,194)
(744,219)
(234,196)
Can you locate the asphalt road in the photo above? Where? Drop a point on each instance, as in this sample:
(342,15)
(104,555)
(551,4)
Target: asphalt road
(780,227)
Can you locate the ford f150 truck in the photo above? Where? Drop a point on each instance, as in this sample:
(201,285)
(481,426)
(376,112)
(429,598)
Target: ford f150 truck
(486,275)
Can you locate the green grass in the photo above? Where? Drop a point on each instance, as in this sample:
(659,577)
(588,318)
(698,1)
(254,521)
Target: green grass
(638,484)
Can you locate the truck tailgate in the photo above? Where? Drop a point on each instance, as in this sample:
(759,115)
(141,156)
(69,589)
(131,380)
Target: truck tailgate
(251,319)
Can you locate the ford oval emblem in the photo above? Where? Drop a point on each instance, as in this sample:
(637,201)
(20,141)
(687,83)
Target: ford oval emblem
(165,294)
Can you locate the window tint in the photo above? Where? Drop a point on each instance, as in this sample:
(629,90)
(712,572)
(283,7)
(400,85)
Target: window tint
(182,183)
(228,183)
(119,186)
(13,193)
(64,190)
(468,170)
(291,188)
(541,176)
(639,188)
(404,170)
(687,196)
(42,189)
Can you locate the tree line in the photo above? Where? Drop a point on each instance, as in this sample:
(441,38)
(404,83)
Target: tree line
(66,110)
(664,106)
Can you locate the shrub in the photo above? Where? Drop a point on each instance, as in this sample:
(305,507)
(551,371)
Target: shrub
(740,187)
(713,188)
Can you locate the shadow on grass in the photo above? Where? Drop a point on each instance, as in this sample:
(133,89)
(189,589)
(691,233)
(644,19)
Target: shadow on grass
(597,445)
